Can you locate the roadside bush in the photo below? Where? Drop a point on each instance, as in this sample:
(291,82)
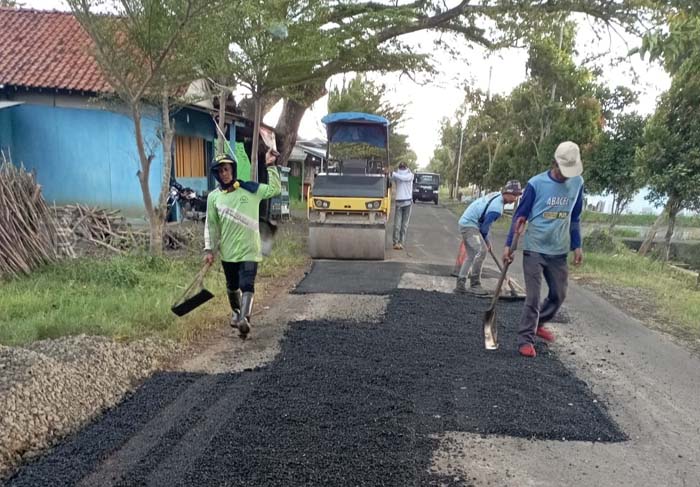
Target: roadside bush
(625,233)
(600,240)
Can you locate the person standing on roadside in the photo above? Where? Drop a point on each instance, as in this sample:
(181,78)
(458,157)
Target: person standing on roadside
(549,219)
(403,179)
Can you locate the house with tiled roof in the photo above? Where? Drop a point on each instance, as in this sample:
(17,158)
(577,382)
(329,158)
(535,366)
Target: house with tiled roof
(59,118)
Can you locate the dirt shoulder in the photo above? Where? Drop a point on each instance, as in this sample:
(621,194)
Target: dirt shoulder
(641,304)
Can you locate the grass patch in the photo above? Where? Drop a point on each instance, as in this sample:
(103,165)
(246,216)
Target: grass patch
(677,302)
(297,205)
(624,233)
(637,220)
(123,297)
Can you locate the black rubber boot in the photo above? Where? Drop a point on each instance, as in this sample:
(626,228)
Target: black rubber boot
(234,299)
(461,286)
(246,312)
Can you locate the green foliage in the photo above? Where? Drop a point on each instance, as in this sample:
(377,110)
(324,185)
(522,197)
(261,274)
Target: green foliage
(676,43)
(514,136)
(362,95)
(600,241)
(611,168)
(670,158)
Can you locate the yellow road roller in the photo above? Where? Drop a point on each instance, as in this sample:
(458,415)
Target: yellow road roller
(350,200)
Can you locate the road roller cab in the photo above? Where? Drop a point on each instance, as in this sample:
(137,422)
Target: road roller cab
(349,201)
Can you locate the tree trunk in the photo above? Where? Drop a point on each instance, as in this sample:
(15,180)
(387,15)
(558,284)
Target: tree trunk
(292,113)
(220,148)
(615,209)
(673,210)
(161,211)
(257,118)
(651,234)
(288,126)
(144,172)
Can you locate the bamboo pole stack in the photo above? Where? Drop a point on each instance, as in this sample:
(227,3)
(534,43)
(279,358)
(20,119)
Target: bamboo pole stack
(29,235)
(105,228)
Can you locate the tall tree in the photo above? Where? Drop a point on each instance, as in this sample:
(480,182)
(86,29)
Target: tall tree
(147,51)
(445,156)
(362,95)
(611,168)
(514,136)
(670,156)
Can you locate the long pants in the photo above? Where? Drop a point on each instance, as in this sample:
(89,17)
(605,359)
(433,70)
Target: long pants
(401,217)
(476,254)
(555,270)
(240,275)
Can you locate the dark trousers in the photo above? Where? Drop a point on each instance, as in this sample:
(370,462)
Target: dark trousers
(555,270)
(240,275)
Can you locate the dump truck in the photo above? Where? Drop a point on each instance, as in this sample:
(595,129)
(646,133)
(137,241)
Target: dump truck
(350,199)
(426,186)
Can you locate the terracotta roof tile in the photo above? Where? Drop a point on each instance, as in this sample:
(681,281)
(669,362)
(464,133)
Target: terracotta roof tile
(47,49)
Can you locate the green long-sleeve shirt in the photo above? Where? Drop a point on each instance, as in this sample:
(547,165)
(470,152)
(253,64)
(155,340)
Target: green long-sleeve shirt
(232,226)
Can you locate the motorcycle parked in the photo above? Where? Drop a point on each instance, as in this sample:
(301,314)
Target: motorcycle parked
(192,206)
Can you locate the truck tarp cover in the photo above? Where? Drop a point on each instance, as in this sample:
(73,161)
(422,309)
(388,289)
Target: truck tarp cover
(357,128)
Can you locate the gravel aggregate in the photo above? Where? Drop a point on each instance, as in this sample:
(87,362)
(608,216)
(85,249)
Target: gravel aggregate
(53,387)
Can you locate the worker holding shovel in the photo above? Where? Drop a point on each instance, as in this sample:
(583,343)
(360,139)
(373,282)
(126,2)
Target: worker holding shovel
(232,230)
(549,220)
(474,225)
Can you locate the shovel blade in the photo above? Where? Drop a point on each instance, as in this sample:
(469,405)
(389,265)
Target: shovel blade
(189,304)
(490,330)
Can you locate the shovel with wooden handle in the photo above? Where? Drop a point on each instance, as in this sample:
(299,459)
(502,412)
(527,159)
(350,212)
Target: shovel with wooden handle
(186,304)
(490,324)
(511,284)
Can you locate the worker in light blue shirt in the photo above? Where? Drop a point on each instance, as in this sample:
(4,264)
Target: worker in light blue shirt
(548,218)
(474,226)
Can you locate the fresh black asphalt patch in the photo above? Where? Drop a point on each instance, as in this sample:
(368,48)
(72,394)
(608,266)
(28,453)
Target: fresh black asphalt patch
(363,277)
(342,404)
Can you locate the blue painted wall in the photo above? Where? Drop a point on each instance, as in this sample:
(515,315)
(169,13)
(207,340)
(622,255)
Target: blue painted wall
(6,129)
(89,156)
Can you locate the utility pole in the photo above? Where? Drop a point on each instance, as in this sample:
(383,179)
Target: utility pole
(484,136)
(459,160)
(488,90)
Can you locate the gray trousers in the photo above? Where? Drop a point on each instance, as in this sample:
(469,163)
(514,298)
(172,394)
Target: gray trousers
(476,254)
(555,270)
(401,217)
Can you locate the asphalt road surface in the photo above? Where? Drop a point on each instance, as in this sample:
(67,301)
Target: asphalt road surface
(374,374)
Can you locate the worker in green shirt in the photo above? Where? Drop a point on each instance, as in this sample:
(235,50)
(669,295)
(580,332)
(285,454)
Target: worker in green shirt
(232,231)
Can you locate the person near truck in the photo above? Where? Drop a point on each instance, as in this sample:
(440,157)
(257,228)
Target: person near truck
(474,226)
(232,232)
(549,219)
(403,180)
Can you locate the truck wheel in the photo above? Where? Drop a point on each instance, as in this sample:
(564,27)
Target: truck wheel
(435,201)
